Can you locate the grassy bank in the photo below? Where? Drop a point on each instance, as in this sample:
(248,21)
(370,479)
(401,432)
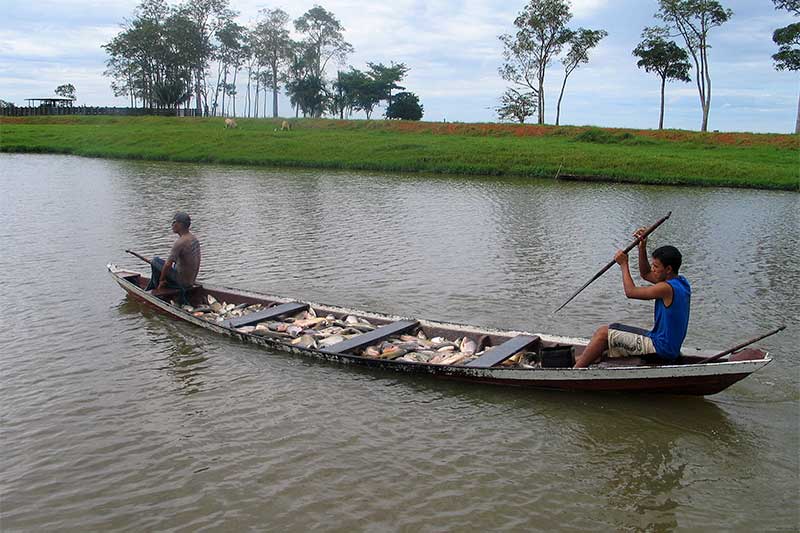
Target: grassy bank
(639,156)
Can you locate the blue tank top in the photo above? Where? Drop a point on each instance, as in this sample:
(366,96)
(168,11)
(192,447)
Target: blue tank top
(672,322)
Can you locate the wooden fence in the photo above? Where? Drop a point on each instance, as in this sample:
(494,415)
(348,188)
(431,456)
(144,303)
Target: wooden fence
(86,110)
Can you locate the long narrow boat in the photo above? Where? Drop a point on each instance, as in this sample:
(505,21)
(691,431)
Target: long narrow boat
(453,351)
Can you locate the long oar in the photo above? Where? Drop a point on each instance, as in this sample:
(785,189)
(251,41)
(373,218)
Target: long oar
(143,258)
(647,232)
(740,346)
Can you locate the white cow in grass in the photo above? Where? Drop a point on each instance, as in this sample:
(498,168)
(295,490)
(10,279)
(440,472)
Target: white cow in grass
(230,123)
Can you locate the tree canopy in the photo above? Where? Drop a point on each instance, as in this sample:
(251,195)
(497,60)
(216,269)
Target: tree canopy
(665,58)
(405,106)
(517,105)
(67,90)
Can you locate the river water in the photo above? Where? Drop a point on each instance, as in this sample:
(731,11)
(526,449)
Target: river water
(116,418)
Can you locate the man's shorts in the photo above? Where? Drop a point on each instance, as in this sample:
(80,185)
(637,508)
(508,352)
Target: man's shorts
(626,341)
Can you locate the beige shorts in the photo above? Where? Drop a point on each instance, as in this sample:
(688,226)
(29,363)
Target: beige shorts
(626,344)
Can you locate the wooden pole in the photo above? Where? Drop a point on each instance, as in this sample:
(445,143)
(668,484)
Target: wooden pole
(740,346)
(630,247)
(143,258)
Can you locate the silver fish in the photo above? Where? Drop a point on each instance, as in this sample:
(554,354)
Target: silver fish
(305,341)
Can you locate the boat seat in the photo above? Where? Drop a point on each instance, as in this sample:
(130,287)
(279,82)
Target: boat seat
(266,314)
(371,337)
(500,353)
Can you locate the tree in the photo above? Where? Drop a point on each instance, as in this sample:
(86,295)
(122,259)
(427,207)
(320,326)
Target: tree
(272,48)
(692,20)
(208,16)
(541,34)
(67,91)
(343,98)
(172,93)
(386,78)
(231,42)
(309,94)
(517,105)
(788,41)
(580,42)
(324,38)
(323,41)
(405,106)
(366,92)
(159,46)
(665,58)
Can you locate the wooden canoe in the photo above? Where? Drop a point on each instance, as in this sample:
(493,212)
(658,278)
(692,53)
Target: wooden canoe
(490,365)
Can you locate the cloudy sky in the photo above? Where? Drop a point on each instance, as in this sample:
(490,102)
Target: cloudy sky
(453,51)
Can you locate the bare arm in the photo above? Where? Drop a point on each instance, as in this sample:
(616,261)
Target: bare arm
(661,290)
(162,281)
(644,261)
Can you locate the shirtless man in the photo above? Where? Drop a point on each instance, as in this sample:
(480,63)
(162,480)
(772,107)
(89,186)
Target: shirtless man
(672,294)
(181,267)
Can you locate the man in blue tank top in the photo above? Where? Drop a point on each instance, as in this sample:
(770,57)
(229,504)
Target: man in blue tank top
(672,294)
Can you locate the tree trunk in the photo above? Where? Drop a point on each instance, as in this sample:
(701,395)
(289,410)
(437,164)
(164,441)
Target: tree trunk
(661,114)
(249,77)
(274,90)
(560,96)
(233,97)
(258,92)
(707,104)
(797,121)
(216,92)
(198,95)
(541,98)
(224,89)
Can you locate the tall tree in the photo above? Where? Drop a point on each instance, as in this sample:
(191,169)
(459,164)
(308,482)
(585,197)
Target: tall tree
(541,34)
(209,16)
(229,52)
(788,41)
(324,39)
(273,49)
(665,58)
(517,105)
(580,42)
(693,20)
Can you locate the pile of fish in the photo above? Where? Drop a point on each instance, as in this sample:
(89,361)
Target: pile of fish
(307,330)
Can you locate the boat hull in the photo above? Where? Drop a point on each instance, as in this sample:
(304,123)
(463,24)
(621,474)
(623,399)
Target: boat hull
(687,379)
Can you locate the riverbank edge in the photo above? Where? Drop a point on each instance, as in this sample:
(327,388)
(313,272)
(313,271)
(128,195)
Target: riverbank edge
(366,163)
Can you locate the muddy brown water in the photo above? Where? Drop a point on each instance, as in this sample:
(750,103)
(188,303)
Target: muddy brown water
(115,418)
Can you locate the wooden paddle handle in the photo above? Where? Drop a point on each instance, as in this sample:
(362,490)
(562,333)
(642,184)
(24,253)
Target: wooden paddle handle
(742,345)
(603,270)
(143,258)
(647,232)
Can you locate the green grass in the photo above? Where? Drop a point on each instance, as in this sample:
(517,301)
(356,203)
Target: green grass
(669,157)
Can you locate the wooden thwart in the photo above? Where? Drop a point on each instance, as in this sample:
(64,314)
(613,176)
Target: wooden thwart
(498,354)
(266,314)
(371,337)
